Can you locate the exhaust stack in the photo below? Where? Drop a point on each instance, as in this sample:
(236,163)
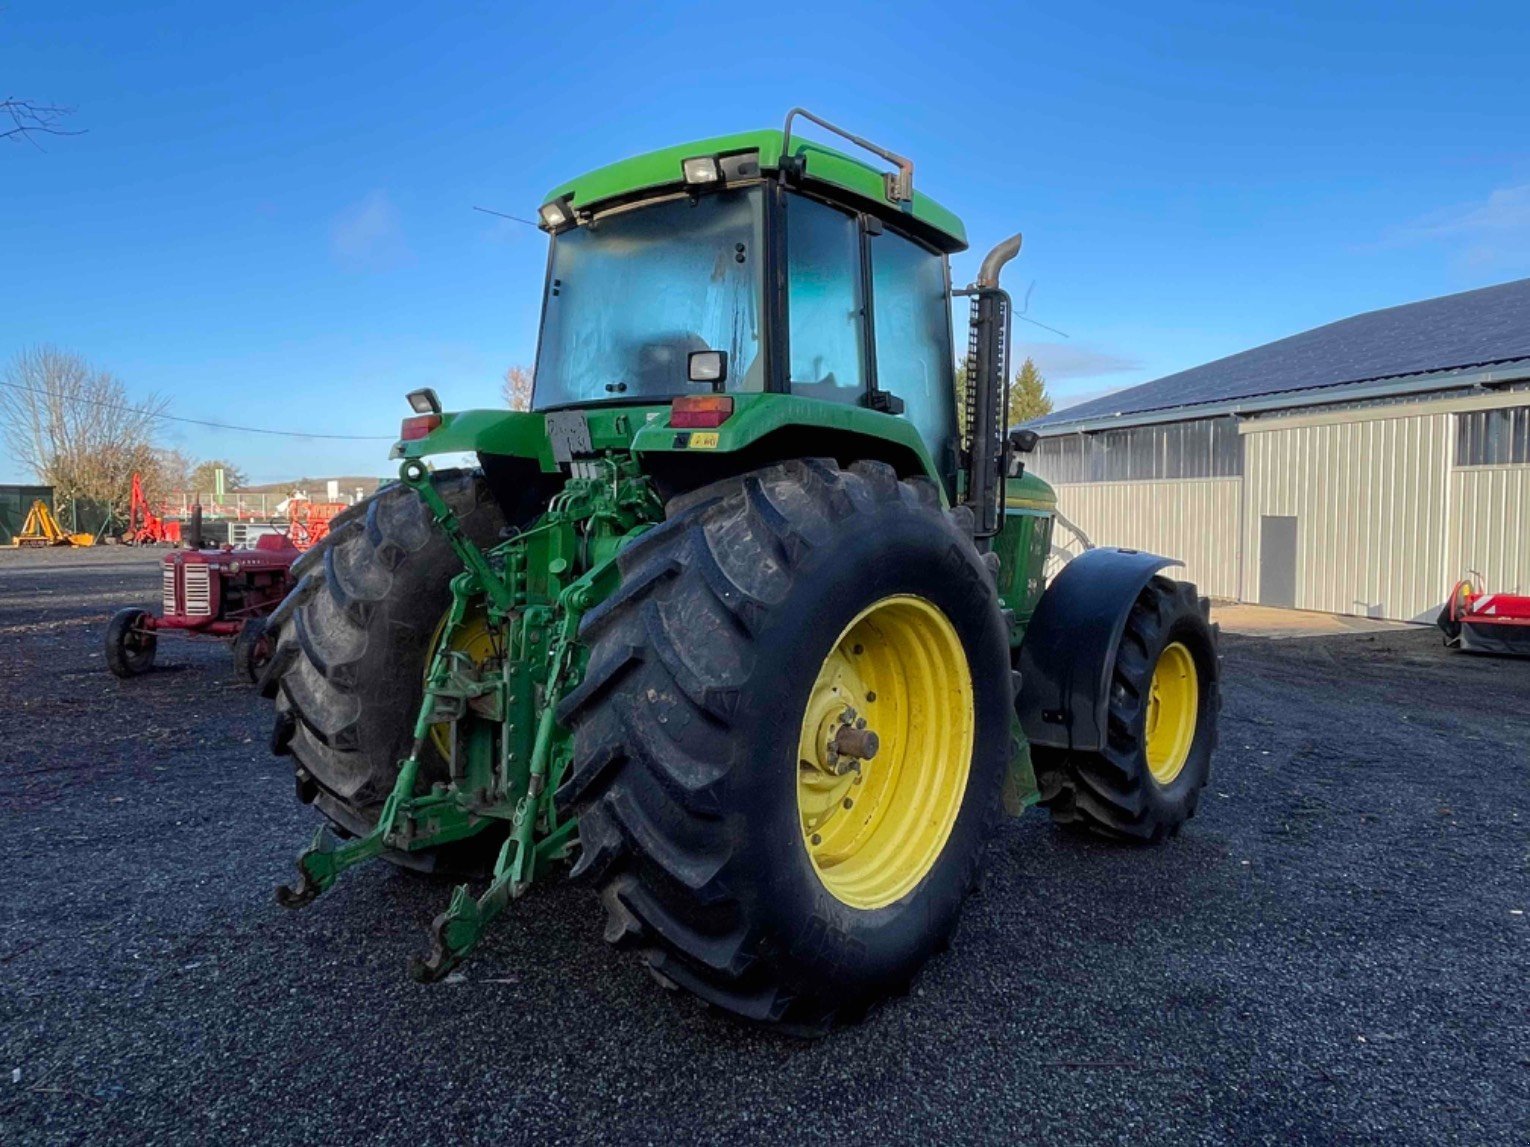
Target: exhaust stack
(986,402)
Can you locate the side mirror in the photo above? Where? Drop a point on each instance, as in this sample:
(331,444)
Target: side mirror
(1023,441)
(708,366)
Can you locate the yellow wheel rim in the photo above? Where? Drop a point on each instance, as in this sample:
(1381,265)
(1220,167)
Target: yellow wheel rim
(476,639)
(1173,705)
(876,815)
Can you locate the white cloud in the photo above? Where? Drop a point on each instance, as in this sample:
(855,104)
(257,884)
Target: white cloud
(368,235)
(1494,232)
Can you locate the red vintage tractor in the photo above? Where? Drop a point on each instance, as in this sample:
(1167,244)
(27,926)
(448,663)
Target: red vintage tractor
(214,591)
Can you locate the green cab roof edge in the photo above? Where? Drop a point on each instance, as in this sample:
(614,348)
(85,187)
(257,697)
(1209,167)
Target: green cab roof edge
(820,164)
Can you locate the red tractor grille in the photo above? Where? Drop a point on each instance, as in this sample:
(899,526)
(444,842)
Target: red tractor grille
(198,596)
(167,597)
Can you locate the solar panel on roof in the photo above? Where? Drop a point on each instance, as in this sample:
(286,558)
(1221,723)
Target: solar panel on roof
(1472,328)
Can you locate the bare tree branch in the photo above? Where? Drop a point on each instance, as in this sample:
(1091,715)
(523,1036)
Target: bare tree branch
(29,119)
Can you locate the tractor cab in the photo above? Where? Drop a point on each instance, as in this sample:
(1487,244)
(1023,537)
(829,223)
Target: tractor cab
(755,264)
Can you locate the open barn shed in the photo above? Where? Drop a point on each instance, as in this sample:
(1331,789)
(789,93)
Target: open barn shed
(1358,468)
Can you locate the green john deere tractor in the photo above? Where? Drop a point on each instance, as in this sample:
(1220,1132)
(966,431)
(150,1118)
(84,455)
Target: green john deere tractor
(743,617)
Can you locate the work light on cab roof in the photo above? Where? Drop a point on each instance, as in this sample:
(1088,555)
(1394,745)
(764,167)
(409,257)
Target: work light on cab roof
(742,616)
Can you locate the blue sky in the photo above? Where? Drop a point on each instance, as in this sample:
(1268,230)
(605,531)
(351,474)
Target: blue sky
(269,220)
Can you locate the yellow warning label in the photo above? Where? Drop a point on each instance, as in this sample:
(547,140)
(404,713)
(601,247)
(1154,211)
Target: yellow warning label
(704,440)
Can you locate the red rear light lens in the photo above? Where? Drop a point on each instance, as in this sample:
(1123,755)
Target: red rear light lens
(700,411)
(419,426)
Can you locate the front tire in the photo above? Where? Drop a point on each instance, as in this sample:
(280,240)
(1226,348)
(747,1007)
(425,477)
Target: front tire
(130,644)
(711,836)
(1146,782)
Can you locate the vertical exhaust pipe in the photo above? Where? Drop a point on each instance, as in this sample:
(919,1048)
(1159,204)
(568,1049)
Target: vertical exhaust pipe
(993,262)
(987,396)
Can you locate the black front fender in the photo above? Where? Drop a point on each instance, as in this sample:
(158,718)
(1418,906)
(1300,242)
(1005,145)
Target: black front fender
(1069,651)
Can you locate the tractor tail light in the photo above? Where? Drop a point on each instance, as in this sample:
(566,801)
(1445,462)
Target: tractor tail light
(700,411)
(419,426)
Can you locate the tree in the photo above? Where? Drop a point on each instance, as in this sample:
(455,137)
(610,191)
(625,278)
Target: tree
(73,427)
(961,401)
(517,388)
(204,479)
(169,473)
(1028,397)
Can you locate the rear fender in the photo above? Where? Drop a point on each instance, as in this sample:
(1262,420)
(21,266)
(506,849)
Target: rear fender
(1069,649)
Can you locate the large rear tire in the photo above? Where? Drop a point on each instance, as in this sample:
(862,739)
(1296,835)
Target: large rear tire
(772,617)
(1162,726)
(349,646)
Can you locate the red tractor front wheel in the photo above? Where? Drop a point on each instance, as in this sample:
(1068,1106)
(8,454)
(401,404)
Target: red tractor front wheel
(252,650)
(130,642)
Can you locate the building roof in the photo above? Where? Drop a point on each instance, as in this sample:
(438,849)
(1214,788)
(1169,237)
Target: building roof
(1468,331)
(659,169)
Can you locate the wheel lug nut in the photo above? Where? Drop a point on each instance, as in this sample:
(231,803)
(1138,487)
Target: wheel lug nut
(817,839)
(849,803)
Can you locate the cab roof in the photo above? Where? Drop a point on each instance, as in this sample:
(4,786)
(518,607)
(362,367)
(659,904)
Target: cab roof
(846,178)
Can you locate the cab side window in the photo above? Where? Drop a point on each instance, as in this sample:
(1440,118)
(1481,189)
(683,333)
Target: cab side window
(913,335)
(825,301)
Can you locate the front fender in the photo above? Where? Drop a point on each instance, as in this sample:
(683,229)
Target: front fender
(1069,651)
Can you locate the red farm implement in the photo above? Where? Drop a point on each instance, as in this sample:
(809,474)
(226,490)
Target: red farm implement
(216,592)
(145,527)
(1486,622)
(309,521)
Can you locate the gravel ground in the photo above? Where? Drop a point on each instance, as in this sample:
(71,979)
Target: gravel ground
(1335,949)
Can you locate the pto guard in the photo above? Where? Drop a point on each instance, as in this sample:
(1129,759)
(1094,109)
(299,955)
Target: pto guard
(1069,650)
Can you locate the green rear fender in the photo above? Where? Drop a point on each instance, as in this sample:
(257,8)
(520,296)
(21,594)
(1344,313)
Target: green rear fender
(766,427)
(773,427)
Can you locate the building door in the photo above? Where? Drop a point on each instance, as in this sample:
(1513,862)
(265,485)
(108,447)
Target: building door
(1277,560)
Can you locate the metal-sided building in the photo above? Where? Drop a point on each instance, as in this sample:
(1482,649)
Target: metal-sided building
(1359,468)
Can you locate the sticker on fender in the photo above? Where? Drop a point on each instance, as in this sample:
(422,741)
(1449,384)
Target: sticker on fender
(704,440)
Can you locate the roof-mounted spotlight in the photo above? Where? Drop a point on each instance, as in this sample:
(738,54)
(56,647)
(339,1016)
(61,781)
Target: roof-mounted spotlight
(424,401)
(701,170)
(557,214)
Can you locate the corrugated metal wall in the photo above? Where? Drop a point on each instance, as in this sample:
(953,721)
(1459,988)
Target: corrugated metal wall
(1384,521)
(1490,526)
(1195,521)
(1371,501)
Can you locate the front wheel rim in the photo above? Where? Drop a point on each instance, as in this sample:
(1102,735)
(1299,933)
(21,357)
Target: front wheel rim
(1172,710)
(876,815)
